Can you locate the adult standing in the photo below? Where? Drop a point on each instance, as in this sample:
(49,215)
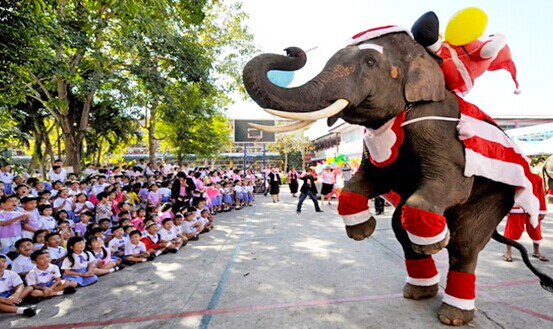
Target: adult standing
(274,184)
(308,189)
(293,181)
(518,219)
(57,172)
(328,179)
(179,193)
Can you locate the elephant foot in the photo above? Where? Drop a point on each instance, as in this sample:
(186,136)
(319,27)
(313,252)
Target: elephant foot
(431,249)
(454,316)
(419,292)
(361,231)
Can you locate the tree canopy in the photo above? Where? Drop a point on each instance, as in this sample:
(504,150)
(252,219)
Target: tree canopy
(95,68)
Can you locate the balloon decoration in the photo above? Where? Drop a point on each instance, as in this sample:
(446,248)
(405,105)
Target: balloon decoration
(337,162)
(466,26)
(281,78)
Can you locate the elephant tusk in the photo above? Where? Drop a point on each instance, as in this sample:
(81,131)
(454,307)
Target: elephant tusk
(327,112)
(281,129)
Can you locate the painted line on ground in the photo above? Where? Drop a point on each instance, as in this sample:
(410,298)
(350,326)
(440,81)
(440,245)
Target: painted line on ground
(211,312)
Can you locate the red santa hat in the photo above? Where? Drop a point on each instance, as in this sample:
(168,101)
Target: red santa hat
(375,33)
(503,61)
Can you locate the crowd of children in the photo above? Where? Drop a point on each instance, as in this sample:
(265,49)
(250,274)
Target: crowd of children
(61,233)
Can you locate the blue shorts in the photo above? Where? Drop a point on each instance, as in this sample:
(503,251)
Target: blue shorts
(7,293)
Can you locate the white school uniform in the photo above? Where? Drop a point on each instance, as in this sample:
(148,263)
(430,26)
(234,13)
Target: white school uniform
(40,277)
(47,223)
(22,264)
(134,249)
(81,261)
(167,235)
(9,281)
(68,206)
(56,253)
(116,244)
(177,230)
(187,228)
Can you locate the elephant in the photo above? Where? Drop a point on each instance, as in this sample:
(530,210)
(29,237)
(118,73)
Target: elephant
(382,80)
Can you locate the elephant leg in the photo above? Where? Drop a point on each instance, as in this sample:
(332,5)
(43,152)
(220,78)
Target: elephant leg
(423,213)
(422,275)
(472,225)
(353,203)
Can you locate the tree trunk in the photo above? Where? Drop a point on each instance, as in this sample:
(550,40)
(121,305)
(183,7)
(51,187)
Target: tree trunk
(285,162)
(302,159)
(152,142)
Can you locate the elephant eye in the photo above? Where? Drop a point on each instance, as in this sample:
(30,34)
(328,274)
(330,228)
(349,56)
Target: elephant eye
(371,61)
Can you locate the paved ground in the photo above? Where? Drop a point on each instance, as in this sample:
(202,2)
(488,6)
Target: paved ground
(266,267)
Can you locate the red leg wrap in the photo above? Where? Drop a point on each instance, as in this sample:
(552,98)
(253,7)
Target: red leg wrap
(460,290)
(423,227)
(422,272)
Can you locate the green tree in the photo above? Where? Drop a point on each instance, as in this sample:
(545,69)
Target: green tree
(290,143)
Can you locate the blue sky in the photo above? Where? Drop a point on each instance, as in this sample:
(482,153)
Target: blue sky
(327,25)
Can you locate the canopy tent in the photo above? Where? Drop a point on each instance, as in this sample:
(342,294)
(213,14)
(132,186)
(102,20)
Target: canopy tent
(536,148)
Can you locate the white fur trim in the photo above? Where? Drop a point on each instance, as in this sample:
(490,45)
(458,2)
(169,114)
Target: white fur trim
(461,68)
(537,241)
(543,212)
(493,47)
(426,241)
(378,48)
(358,218)
(435,46)
(464,304)
(517,211)
(378,33)
(424,282)
(380,141)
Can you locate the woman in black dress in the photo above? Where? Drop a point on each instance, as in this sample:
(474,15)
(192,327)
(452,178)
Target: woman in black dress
(293,181)
(274,184)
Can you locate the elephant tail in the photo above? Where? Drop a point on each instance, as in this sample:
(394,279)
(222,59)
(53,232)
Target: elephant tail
(545,281)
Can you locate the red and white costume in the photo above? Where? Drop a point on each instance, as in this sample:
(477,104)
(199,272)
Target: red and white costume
(518,219)
(463,64)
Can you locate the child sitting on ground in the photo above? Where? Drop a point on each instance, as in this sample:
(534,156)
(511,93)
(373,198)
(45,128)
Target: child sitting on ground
(78,266)
(104,262)
(168,234)
(55,250)
(138,221)
(153,242)
(207,220)
(39,240)
(190,227)
(47,222)
(177,229)
(12,291)
(117,244)
(135,250)
(84,219)
(45,278)
(22,264)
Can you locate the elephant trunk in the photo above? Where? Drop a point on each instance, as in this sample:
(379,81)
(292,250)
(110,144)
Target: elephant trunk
(305,98)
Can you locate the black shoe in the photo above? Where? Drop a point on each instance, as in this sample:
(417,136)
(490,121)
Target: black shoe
(319,210)
(426,29)
(298,211)
(69,290)
(173,251)
(196,238)
(151,257)
(128,262)
(32,300)
(29,312)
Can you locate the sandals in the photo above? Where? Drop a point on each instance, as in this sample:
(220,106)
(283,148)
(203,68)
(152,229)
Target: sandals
(507,258)
(540,257)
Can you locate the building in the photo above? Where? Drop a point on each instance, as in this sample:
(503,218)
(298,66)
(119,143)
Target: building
(347,139)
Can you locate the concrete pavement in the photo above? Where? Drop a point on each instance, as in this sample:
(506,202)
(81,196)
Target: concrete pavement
(267,267)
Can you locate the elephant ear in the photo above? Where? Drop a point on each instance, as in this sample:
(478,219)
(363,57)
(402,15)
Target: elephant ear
(425,81)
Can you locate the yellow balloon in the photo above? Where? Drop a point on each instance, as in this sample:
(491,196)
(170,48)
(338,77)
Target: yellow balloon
(329,161)
(466,26)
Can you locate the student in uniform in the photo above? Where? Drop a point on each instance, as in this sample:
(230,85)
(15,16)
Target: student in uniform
(135,250)
(56,251)
(78,266)
(22,264)
(13,291)
(45,278)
